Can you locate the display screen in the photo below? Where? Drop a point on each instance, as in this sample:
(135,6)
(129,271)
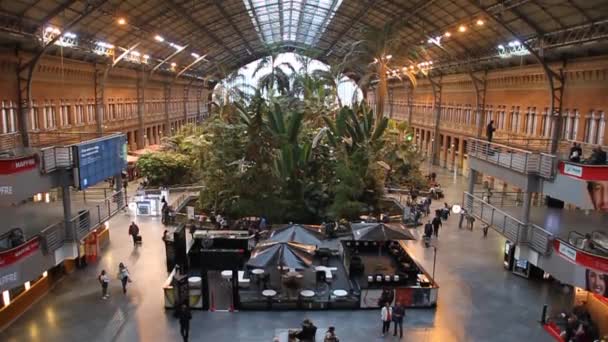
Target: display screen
(100,159)
(523,263)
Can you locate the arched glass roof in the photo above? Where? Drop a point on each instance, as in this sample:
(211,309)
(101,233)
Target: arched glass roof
(291,21)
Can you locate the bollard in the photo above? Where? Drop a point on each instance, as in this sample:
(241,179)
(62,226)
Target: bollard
(543,318)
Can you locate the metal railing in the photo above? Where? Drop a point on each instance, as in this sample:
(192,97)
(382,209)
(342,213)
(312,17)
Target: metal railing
(10,141)
(508,198)
(56,157)
(526,162)
(523,142)
(510,227)
(53,237)
(51,138)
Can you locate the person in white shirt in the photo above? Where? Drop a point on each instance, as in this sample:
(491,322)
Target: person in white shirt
(104,280)
(386,314)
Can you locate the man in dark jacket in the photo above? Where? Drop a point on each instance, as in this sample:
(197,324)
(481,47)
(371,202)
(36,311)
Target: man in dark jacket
(184,317)
(398,315)
(598,156)
(490,130)
(134,232)
(576,153)
(436,224)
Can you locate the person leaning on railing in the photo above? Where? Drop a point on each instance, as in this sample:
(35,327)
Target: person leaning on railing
(598,156)
(576,153)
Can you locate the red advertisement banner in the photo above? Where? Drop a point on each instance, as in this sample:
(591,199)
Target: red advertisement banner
(13,255)
(582,258)
(585,172)
(10,166)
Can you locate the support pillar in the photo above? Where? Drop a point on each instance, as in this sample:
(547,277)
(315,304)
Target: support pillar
(390,102)
(185,99)
(140,110)
(444,152)
(410,102)
(167,98)
(479,83)
(24,84)
(461,154)
(66,198)
(526,207)
(452,154)
(199,94)
(436,85)
(101,75)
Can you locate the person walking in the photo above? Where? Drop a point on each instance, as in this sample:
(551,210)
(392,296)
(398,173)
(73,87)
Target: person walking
(134,232)
(104,281)
(428,232)
(330,335)
(386,314)
(490,130)
(184,317)
(124,276)
(398,315)
(436,224)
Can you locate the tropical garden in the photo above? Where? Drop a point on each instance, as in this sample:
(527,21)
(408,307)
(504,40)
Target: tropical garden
(288,149)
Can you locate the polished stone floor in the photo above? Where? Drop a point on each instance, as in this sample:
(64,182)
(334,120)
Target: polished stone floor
(478,299)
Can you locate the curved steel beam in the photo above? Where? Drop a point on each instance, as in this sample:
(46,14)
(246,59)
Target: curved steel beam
(25,72)
(555,78)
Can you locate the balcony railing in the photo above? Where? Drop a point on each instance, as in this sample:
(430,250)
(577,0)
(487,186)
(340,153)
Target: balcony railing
(10,141)
(523,161)
(510,227)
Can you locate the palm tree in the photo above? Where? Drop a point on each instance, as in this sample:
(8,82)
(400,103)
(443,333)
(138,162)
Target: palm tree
(277,79)
(378,49)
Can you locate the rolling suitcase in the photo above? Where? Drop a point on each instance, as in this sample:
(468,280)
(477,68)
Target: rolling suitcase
(138,239)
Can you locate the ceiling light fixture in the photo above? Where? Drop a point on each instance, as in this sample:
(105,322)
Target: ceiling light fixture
(159,38)
(479,22)
(173,65)
(195,55)
(447,34)
(462,28)
(121,21)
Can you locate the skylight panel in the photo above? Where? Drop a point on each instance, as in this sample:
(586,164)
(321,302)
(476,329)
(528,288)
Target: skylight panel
(291,21)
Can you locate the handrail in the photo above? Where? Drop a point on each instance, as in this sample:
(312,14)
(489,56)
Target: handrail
(512,228)
(519,160)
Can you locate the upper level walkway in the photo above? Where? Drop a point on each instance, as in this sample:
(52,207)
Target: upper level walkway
(526,162)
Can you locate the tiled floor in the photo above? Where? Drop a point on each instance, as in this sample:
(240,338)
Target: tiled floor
(478,300)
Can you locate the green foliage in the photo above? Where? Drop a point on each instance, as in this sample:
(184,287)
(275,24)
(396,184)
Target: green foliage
(165,168)
(290,152)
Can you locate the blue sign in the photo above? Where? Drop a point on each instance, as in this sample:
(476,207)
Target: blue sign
(100,159)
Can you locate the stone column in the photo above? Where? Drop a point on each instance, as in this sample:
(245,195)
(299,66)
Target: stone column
(461,154)
(452,154)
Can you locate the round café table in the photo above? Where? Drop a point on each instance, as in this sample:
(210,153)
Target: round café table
(227,274)
(257,271)
(340,293)
(307,293)
(269,293)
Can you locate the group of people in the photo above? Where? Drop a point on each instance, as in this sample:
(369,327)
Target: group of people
(104,280)
(578,326)
(431,228)
(598,155)
(394,314)
(308,332)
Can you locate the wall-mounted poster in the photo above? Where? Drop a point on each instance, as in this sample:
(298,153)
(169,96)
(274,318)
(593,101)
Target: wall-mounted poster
(597,282)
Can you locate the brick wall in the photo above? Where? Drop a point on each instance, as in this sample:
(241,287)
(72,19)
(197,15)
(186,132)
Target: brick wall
(63,100)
